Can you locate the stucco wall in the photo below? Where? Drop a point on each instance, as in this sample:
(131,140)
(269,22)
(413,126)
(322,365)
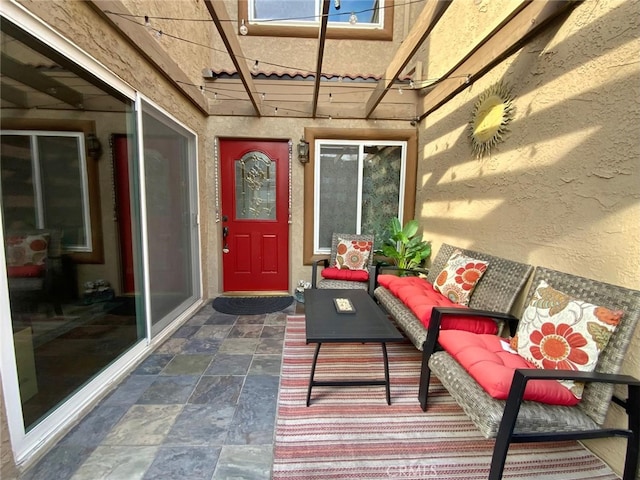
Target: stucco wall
(563,190)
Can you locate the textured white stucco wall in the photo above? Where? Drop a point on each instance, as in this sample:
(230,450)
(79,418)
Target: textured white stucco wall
(563,189)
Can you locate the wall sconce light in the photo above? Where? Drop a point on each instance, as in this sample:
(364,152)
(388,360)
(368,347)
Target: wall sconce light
(93,146)
(303,151)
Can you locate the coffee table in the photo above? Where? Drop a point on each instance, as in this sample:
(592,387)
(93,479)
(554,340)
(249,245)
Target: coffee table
(367,323)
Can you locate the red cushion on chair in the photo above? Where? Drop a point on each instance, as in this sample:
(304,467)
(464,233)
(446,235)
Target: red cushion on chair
(420,297)
(333,273)
(25,271)
(487,360)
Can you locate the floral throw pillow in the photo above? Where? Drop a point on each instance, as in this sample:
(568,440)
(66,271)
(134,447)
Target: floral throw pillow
(24,250)
(459,277)
(353,254)
(558,332)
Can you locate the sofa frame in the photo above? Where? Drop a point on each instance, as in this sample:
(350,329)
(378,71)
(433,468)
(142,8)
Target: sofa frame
(517,421)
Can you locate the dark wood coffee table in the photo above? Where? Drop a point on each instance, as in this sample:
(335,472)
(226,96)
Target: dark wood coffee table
(368,323)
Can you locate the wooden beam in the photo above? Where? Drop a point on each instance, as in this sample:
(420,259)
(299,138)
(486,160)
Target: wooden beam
(493,49)
(147,47)
(13,95)
(322,36)
(224,25)
(33,78)
(421,29)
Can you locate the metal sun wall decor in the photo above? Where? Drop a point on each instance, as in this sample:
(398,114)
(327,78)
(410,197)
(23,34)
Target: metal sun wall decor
(492,113)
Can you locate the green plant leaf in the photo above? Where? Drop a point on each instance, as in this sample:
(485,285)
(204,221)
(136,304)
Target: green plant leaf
(404,246)
(410,229)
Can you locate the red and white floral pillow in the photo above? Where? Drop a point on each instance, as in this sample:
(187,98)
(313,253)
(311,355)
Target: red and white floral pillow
(558,332)
(353,254)
(459,277)
(26,254)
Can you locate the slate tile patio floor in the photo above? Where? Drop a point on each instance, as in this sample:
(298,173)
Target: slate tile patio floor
(202,406)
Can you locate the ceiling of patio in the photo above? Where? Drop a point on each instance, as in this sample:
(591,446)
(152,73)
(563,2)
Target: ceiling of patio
(391,94)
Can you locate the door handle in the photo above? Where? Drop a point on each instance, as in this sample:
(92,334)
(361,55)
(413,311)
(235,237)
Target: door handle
(225,233)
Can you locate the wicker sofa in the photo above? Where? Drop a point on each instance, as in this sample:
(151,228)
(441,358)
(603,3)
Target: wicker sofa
(497,290)
(516,419)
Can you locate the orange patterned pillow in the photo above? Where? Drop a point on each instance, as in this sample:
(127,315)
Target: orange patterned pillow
(459,277)
(558,332)
(353,254)
(26,249)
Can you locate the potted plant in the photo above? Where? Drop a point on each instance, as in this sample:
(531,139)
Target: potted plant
(404,247)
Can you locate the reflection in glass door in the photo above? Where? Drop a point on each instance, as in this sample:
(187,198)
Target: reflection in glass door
(69,320)
(171,208)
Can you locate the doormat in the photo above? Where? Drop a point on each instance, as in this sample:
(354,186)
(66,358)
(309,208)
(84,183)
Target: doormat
(251,305)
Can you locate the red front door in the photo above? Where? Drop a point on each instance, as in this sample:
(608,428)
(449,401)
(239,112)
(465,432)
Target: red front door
(255,215)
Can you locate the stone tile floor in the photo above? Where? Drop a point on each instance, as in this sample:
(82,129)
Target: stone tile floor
(201,406)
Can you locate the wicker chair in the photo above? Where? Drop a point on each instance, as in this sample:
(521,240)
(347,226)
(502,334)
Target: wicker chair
(326,262)
(515,421)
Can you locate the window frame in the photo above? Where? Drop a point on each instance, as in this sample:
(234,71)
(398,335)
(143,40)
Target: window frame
(410,179)
(39,183)
(334,29)
(96,254)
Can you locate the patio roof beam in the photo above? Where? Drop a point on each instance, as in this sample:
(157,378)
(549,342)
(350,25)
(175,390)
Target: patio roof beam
(33,78)
(144,43)
(223,23)
(13,95)
(497,45)
(322,36)
(421,29)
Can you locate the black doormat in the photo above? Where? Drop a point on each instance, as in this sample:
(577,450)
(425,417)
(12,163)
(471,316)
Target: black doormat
(250,305)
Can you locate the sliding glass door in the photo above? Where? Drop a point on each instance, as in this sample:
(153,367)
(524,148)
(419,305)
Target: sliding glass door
(99,230)
(170,192)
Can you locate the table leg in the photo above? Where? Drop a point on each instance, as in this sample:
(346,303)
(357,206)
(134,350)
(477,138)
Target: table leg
(313,371)
(386,372)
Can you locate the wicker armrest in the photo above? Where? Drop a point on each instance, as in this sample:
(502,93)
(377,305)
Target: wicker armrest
(314,270)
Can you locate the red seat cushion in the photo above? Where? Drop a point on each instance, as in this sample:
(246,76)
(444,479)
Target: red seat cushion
(487,359)
(333,273)
(420,297)
(25,271)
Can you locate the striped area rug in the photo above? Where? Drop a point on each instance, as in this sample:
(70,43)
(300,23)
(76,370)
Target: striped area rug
(351,432)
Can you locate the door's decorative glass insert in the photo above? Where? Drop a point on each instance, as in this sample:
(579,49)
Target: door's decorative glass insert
(255,179)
